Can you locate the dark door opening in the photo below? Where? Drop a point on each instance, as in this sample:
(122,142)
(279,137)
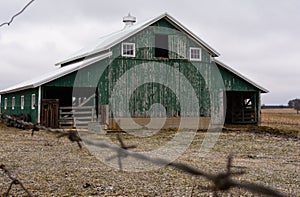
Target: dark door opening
(69,96)
(63,94)
(241,108)
(69,106)
(161,46)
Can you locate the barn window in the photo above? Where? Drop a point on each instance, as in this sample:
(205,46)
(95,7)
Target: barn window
(161,46)
(22,102)
(33,101)
(195,54)
(13,102)
(5,103)
(128,49)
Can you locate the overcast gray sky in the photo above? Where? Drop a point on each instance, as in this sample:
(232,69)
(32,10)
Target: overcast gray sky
(258,38)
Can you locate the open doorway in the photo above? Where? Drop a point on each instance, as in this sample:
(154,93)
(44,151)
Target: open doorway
(69,107)
(242,107)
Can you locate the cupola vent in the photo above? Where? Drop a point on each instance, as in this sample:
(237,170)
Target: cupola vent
(129,20)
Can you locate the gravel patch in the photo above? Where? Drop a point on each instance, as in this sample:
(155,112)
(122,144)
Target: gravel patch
(48,166)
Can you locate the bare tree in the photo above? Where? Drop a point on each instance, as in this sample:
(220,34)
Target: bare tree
(17,14)
(295,103)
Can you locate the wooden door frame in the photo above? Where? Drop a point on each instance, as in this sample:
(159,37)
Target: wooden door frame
(53,104)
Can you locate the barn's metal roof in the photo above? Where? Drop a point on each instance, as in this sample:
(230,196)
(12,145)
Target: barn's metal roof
(108,41)
(55,74)
(218,62)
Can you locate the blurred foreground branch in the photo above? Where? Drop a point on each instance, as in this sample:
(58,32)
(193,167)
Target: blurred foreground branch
(14,181)
(19,123)
(221,181)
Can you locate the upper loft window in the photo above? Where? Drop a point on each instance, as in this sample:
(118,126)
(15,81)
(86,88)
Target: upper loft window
(195,54)
(161,46)
(22,102)
(128,49)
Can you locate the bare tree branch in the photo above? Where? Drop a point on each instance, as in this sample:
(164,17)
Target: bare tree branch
(121,153)
(72,136)
(17,14)
(14,181)
(221,182)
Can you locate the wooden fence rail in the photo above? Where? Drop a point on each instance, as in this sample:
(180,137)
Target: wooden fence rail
(78,117)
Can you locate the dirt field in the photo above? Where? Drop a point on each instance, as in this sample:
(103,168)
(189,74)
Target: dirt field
(287,119)
(51,167)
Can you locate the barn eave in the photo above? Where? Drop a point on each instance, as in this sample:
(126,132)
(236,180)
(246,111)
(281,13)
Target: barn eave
(223,65)
(55,74)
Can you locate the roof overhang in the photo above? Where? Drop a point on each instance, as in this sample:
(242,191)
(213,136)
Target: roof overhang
(193,36)
(263,90)
(55,74)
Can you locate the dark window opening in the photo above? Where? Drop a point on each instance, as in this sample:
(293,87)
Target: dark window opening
(161,46)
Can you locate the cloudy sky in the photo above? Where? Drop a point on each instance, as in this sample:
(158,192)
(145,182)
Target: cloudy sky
(258,38)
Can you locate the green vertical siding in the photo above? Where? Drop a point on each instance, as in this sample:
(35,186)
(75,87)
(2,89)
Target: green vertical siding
(234,83)
(85,77)
(179,43)
(27,103)
(150,93)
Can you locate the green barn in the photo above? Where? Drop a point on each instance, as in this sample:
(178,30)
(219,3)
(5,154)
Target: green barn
(83,87)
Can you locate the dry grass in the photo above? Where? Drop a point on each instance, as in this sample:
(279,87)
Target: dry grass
(51,167)
(279,111)
(285,119)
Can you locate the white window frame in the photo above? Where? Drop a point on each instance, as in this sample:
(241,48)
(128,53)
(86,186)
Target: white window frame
(22,102)
(200,54)
(13,103)
(128,44)
(5,103)
(33,101)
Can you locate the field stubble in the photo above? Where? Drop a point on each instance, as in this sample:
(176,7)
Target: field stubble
(51,167)
(286,120)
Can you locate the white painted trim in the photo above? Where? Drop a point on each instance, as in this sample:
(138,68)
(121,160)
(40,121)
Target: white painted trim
(39,104)
(122,49)
(5,103)
(13,103)
(22,102)
(200,54)
(33,103)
